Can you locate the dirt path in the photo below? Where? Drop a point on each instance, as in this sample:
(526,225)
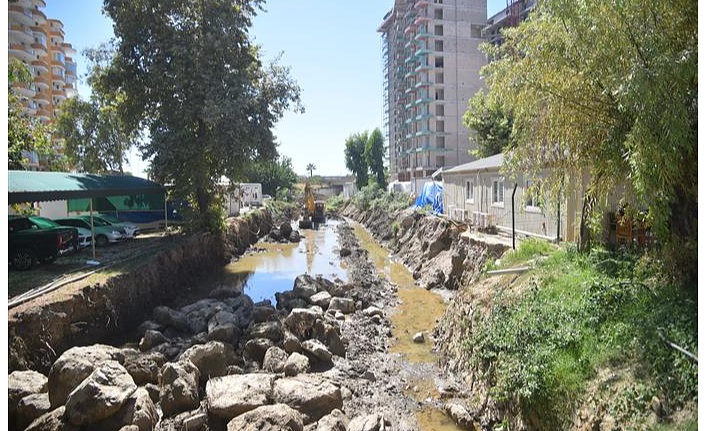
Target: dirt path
(403,392)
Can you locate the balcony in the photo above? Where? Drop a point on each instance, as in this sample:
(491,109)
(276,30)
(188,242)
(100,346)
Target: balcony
(422,84)
(421,4)
(423,100)
(423,67)
(421,52)
(421,19)
(20,14)
(422,35)
(39,17)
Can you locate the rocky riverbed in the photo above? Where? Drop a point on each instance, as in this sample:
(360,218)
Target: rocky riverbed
(318,359)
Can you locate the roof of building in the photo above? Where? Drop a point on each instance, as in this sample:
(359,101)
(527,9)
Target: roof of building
(492,162)
(33,186)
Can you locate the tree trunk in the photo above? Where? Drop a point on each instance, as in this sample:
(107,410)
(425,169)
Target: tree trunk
(584,231)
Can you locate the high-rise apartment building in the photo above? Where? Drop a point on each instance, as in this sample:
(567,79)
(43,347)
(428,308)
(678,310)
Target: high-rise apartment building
(515,12)
(38,42)
(431,63)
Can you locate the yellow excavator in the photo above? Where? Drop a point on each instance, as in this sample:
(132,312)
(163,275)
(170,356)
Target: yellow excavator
(314,211)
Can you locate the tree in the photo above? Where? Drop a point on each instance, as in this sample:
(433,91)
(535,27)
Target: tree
(274,175)
(94,140)
(374,156)
(24,133)
(311,168)
(609,89)
(355,158)
(94,136)
(187,72)
(492,127)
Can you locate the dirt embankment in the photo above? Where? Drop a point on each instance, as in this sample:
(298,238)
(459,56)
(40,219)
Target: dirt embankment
(82,313)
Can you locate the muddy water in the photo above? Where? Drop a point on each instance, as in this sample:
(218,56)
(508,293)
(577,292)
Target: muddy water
(418,312)
(272,267)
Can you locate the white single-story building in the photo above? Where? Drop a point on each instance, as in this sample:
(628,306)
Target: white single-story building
(480,194)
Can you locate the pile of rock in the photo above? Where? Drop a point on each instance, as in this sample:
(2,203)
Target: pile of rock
(283,233)
(221,362)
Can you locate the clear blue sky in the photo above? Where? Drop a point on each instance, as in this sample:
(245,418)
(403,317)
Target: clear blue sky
(333,50)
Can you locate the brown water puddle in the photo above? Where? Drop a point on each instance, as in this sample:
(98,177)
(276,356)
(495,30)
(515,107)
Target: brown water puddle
(273,267)
(418,312)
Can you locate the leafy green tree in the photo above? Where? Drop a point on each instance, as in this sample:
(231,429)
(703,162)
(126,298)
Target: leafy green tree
(187,72)
(608,89)
(492,126)
(94,139)
(374,156)
(311,168)
(355,158)
(274,175)
(24,133)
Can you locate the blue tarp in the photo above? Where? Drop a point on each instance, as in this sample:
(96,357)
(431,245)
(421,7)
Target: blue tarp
(432,194)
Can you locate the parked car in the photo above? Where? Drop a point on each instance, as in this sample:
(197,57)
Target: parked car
(84,235)
(131,228)
(28,244)
(105,232)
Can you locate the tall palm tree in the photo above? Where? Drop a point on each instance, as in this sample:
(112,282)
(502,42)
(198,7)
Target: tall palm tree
(311,168)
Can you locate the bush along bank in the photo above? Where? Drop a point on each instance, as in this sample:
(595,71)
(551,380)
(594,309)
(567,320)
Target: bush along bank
(580,342)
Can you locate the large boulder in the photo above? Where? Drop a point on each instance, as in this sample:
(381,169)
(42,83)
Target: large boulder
(296,364)
(138,411)
(224,326)
(322,299)
(305,287)
(150,339)
(270,330)
(230,396)
(73,366)
(263,313)
(333,340)
(100,395)
(178,387)
(301,322)
(316,350)
(143,367)
(173,318)
(335,421)
(275,359)
(291,343)
(278,417)
(212,359)
(30,408)
(313,397)
(255,349)
(52,421)
(23,383)
(346,305)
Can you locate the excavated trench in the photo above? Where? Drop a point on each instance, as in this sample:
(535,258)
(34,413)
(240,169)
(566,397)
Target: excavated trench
(383,372)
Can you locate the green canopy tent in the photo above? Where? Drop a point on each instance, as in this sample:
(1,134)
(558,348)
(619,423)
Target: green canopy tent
(83,191)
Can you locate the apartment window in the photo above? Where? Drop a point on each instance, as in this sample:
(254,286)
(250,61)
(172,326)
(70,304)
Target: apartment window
(438,45)
(439,62)
(438,1)
(438,14)
(439,78)
(476,30)
(498,192)
(440,110)
(439,94)
(469,191)
(440,161)
(439,126)
(438,30)
(531,196)
(440,142)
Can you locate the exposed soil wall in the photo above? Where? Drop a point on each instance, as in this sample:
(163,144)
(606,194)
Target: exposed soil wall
(82,314)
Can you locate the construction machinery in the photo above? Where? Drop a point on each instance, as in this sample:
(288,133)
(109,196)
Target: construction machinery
(314,211)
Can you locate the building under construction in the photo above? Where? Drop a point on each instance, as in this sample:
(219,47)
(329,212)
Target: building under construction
(431,63)
(515,12)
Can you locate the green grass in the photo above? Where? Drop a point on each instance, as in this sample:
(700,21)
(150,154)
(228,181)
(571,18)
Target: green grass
(582,313)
